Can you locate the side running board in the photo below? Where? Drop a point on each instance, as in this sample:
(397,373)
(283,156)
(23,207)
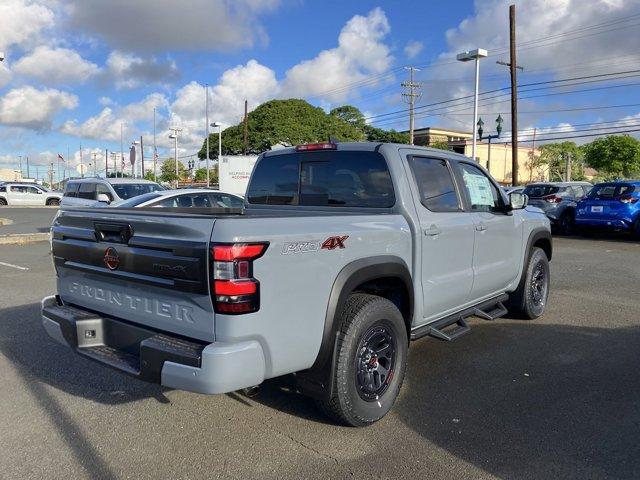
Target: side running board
(454,326)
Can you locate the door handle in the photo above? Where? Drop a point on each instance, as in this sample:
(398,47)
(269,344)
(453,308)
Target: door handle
(433,230)
(481,227)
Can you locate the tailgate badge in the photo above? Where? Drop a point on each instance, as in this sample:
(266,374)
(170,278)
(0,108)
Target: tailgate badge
(111,258)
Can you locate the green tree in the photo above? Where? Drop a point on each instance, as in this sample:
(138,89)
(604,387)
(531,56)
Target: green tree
(292,122)
(201,175)
(555,155)
(440,144)
(168,170)
(615,156)
(148,175)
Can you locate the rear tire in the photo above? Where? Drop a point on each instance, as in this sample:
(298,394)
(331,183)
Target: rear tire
(53,202)
(530,299)
(371,360)
(565,224)
(3,202)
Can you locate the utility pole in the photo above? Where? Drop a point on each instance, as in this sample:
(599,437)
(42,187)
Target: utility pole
(141,157)
(567,166)
(51,176)
(174,137)
(155,150)
(206,119)
(514,95)
(28,168)
(106,163)
(245,140)
(410,95)
(20,164)
(121,150)
(95,163)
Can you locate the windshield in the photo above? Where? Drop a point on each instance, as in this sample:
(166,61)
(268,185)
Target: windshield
(130,190)
(135,201)
(537,191)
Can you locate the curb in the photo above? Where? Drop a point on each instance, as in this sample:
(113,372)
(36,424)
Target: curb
(23,238)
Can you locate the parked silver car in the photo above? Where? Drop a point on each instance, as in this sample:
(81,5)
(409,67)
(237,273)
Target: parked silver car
(27,195)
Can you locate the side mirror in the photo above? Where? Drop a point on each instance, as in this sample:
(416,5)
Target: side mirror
(518,200)
(103,197)
(39,192)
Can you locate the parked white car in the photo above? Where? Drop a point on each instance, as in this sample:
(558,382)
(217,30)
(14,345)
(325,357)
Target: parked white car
(185,198)
(87,192)
(27,195)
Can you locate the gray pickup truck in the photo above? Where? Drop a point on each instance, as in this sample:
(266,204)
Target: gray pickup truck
(342,254)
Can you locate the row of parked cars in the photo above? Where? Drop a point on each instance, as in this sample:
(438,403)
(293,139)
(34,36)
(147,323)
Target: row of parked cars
(568,205)
(572,206)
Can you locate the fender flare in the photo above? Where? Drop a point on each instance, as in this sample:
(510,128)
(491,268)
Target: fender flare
(353,274)
(535,235)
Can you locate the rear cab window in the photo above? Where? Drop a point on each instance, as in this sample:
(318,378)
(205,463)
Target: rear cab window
(610,191)
(539,191)
(337,178)
(130,190)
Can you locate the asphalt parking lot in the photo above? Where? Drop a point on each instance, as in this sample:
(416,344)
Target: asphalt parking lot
(558,397)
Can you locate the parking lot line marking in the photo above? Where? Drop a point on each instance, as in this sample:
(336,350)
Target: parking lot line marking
(13,266)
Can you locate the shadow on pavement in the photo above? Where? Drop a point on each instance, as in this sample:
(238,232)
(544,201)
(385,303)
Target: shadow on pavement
(515,399)
(25,343)
(530,400)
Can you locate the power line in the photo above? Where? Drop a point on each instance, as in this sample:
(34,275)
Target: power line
(553,83)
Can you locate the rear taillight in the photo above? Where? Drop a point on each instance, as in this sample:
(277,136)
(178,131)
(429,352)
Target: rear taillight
(233,288)
(552,198)
(628,199)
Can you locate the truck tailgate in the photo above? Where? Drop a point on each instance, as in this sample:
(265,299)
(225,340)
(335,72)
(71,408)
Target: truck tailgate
(146,267)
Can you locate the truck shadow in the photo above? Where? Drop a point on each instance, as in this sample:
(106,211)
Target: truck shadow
(34,354)
(530,400)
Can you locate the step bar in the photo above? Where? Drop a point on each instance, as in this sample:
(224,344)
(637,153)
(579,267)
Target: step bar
(454,326)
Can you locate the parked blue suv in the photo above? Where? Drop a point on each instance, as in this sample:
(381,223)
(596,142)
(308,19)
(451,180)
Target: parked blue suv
(614,205)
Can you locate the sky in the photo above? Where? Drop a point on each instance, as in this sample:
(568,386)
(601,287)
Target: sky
(76,72)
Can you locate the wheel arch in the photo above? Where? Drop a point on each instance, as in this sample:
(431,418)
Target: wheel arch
(385,275)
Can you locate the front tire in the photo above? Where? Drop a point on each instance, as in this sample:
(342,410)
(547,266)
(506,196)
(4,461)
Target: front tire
(53,202)
(371,360)
(530,299)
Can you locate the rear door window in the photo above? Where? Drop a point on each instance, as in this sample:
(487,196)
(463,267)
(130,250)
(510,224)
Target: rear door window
(87,191)
(435,183)
(334,179)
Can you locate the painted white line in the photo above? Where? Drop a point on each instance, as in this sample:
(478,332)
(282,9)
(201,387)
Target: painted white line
(13,266)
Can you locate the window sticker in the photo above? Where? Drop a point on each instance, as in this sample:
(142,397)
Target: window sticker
(479,188)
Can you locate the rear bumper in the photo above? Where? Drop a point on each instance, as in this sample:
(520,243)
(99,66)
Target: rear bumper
(619,223)
(154,356)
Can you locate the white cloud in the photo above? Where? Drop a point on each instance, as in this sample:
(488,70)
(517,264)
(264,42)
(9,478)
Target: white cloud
(106,125)
(22,21)
(413,48)
(5,75)
(33,108)
(253,82)
(161,25)
(130,71)
(360,52)
(56,65)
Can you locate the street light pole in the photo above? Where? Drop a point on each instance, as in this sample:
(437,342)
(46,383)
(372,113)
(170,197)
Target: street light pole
(174,137)
(480,123)
(206,109)
(476,55)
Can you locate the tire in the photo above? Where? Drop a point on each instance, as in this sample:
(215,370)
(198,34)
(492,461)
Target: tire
(3,202)
(53,202)
(362,392)
(565,224)
(530,299)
